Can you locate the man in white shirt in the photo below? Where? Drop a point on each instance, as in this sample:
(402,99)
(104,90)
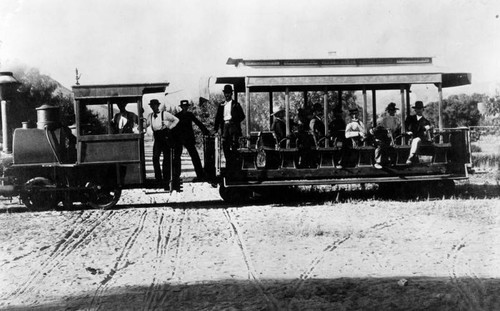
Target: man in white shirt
(355,130)
(125,121)
(162,122)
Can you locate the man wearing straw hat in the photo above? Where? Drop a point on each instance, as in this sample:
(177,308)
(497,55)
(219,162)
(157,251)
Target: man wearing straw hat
(279,124)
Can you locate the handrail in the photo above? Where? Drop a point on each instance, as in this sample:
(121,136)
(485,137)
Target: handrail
(51,144)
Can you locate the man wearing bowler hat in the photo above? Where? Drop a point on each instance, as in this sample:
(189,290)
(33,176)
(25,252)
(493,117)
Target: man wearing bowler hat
(228,118)
(390,121)
(162,123)
(184,136)
(416,126)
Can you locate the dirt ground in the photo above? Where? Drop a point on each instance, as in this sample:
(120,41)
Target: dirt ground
(329,250)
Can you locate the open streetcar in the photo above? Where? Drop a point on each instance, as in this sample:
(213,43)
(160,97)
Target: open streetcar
(266,162)
(47,168)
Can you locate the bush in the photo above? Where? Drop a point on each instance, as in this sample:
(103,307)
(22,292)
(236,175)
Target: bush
(475,148)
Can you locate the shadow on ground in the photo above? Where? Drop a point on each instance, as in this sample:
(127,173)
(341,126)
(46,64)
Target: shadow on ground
(419,293)
(314,195)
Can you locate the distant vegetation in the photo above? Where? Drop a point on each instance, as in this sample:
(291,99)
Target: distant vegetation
(37,89)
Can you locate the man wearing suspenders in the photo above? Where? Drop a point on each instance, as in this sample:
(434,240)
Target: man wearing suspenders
(162,124)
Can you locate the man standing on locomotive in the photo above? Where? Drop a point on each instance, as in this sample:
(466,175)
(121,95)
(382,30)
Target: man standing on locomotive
(184,136)
(417,126)
(162,124)
(228,118)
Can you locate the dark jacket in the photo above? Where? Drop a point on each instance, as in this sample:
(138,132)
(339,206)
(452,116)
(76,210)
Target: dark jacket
(132,121)
(237,116)
(279,128)
(183,132)
(417,127)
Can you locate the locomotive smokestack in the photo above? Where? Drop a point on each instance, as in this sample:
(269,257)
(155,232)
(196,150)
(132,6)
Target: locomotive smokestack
(8,85)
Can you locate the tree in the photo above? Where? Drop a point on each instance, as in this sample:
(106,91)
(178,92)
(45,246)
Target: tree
(37,89)
(457,110)
(492,105)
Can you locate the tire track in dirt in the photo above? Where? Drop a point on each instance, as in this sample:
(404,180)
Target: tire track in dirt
(65,223)
(308,272)
(120,263)
(466,282)
(271,301)
(170,235)
(73,239)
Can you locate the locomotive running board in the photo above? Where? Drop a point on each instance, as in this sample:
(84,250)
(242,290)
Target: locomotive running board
(341,181)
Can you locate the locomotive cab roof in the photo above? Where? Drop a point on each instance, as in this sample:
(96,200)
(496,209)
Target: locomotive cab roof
(118,92)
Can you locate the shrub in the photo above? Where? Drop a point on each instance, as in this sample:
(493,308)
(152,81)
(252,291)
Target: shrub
(475,148)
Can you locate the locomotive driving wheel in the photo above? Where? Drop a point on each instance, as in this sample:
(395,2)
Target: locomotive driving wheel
(102,197)
(37,195)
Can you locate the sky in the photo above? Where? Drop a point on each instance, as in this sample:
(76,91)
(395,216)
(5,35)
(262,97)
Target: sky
(185,42)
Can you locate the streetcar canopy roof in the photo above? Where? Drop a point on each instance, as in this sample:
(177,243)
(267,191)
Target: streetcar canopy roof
(262,75)
(117,92)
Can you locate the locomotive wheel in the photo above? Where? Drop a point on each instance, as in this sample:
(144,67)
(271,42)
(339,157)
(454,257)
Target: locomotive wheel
(35,198)
(100,197)
(233,195)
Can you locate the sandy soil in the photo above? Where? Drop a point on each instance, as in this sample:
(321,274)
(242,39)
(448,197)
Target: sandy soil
(190,251)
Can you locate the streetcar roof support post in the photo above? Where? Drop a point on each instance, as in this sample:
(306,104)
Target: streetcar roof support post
(407,101)
(403,109)
(271,109)
(110,116)
(365,106)
(325,113)
(139,113)
(247,108)
(374,108)
(440,108)
(287,111)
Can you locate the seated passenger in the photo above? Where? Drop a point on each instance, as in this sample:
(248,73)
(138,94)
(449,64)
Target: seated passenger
(125,121)
(337,126)
(390,121)
(417,126)
(355,129)
(305,140)
(279,125)
(383,150)
(316,125)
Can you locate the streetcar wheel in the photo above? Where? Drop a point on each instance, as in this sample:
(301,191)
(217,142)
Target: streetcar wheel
(444,187)
(233,195)
(34,196)
(100,197)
